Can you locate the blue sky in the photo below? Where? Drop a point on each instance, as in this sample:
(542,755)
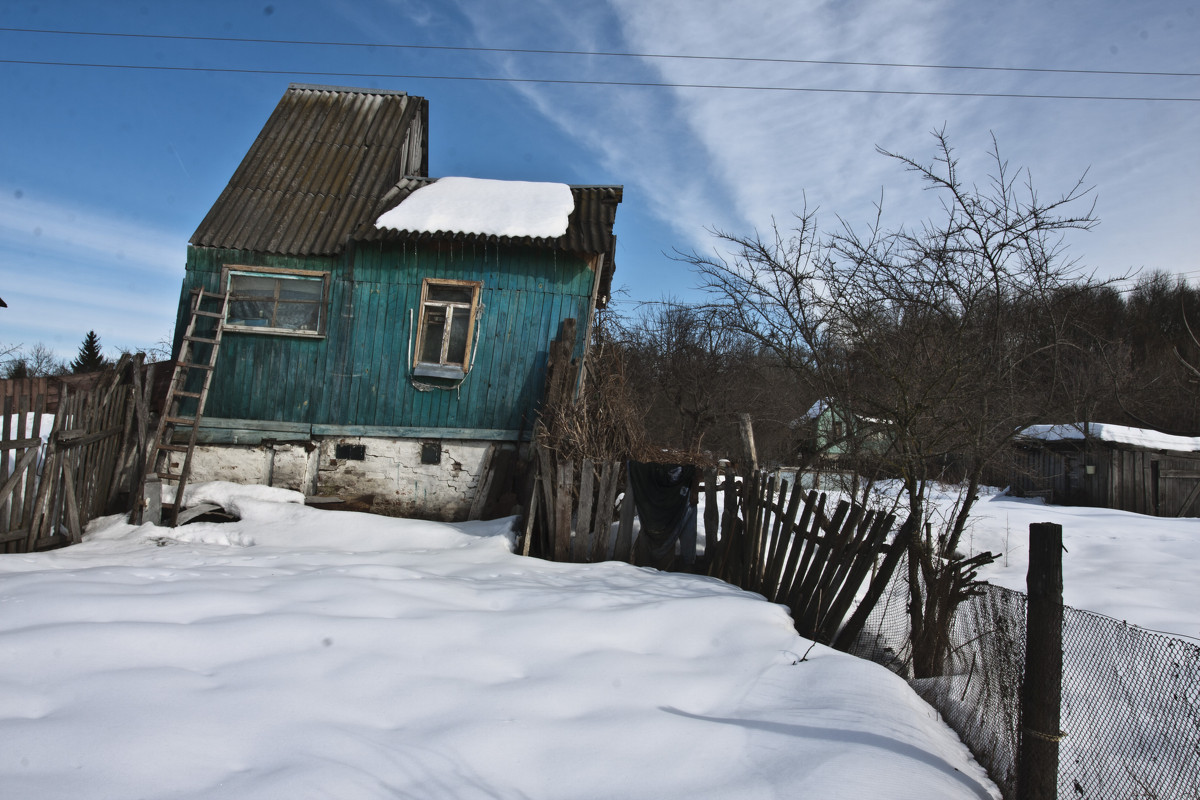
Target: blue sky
(105,173)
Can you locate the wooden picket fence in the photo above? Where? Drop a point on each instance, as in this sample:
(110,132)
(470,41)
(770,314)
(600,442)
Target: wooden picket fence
(782,542)
(572,508)
(20,454)
(91,463)
(758,533)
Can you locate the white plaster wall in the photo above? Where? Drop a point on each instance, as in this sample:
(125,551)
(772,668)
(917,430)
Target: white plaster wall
(234,463)
(291,469)
(289,466)
(391,471)
(402,485)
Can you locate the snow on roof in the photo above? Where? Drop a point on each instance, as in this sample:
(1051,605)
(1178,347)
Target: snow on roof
(818,408)
(1118,434)
(484,207)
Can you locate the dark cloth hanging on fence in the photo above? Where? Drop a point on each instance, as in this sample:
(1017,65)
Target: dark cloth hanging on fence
(662,495)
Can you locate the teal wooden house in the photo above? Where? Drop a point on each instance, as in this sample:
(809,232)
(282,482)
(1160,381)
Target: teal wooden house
(833,432)
(386,334)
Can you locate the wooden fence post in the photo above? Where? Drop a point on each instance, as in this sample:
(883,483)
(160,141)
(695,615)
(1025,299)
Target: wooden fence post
(1041,691)
(749,450)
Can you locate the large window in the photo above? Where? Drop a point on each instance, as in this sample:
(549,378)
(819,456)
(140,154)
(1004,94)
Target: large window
(276,301)
(446,328)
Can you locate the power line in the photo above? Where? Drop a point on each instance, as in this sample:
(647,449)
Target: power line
(615,54)
(581,82)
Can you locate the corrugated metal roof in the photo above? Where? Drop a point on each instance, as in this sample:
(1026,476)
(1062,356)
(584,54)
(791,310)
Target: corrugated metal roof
(589,229)
(318,170)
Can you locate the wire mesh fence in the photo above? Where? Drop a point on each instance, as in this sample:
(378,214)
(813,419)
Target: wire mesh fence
(1130,697)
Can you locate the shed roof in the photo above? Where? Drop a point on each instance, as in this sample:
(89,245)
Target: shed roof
(318,170)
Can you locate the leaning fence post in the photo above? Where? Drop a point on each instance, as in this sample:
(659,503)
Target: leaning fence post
(1041,691)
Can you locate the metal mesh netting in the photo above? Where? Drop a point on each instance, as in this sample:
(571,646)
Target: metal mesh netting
(1130,697)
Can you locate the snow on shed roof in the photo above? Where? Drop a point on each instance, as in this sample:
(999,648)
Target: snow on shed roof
(1117,434)
(484,207)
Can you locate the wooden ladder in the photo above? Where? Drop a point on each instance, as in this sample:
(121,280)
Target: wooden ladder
(188,391)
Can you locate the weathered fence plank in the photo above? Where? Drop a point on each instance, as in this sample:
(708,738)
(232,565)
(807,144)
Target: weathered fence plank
(856,574)
(9,488)
(602,534)
(785,535)
(623,550)
(581,543)
(879,584)
(711,515)
(562,509)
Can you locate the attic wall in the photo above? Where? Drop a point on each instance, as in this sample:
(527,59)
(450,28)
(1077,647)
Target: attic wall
(357,374)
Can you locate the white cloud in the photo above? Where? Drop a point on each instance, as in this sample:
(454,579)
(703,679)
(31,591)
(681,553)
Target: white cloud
(68,269)
(87,235)
(773,149)
(638,134)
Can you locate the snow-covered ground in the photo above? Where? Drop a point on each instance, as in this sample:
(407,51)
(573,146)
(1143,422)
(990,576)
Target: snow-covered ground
(302,653)
(1133,567)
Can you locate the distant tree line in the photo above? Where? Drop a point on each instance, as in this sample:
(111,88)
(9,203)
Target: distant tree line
(39,361)
(1122,356)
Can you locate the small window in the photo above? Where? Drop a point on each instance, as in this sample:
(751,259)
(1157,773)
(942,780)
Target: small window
(276,301)
(446,329)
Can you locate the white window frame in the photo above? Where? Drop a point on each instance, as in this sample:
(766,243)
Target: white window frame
(230,270)
(444,367)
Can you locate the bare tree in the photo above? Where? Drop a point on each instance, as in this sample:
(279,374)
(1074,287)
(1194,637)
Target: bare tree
(945,332)
(37,362)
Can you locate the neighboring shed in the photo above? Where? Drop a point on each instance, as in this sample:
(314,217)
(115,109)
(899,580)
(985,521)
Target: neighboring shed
(1110,466)
(386,333)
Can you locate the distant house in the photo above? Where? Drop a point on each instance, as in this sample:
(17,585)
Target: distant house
(1110,466)
(386,333)
(832,432)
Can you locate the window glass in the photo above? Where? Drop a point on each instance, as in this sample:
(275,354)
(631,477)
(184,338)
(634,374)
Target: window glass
(435,329)
(447,325)
(451,294)
(306,290)
(456,351)
(275,302)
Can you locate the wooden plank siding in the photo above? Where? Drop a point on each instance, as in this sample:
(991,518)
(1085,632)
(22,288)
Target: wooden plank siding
(1152,482)
(357,373)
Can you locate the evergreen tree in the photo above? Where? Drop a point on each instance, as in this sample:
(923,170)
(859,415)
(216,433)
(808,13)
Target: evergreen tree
(16,369)
(89,358)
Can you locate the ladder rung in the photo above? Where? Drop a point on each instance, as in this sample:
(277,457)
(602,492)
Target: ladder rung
(174,448)
(182,393)
(200,339)
(168,476)
(193,365)
(189,421)
(217,314)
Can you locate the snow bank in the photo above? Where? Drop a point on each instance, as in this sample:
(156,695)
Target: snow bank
(1133,567)
(1118,434)
(484,207)
(233,497)
(357,656)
